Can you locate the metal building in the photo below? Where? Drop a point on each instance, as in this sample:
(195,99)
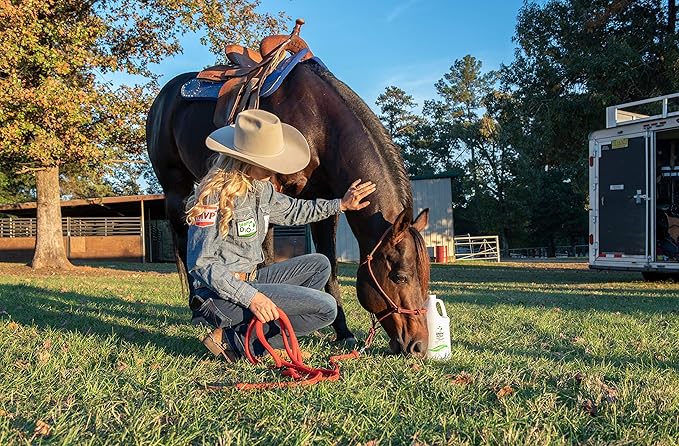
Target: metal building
(433,192)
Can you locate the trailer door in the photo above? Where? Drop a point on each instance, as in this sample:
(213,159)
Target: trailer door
(622,196)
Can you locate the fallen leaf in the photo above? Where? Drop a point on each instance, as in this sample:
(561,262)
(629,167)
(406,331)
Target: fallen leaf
(371,443)
(505,391)
(415,366)
(121,366)
(462,378)
(21,364)
(578,340)
(42,428)
(43,356)
(589,407)
(610,393)
(578,377)
(13,325)
(562,336)
(47,344)
(3,413)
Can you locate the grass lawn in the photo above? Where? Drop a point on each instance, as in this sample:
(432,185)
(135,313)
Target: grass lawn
(548,353)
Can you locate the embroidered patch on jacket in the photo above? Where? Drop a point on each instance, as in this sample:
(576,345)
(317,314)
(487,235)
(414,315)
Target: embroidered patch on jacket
(207,217)
(247,228)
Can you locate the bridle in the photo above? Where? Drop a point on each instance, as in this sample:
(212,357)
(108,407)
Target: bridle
(392,308)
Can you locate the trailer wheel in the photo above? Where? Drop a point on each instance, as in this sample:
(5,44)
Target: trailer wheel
(653,276)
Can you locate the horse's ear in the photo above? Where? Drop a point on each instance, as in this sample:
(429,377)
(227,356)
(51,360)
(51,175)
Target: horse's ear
(402,222)
(421,221)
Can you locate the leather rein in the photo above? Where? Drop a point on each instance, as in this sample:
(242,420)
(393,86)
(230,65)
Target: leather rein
(300,373)
(392,308)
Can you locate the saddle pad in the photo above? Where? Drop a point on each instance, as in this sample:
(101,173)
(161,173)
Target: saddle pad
(201,90)
(204,90)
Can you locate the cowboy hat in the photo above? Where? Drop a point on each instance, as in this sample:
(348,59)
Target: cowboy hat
(260,138)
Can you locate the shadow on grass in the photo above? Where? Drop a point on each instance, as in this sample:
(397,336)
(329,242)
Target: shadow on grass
(135,322)
(641,301)
(164,268)
(491,273)
(570,353)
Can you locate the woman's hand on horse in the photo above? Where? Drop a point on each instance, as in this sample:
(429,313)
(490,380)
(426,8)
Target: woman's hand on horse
(357,192)
(263,308)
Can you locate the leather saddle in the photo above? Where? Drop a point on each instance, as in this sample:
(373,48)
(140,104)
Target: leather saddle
(244,77)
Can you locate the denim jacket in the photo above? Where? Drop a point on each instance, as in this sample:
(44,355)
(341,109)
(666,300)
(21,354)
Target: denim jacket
(213,260)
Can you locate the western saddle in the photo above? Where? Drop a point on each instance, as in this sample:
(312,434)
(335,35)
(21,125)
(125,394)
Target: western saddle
(244,76)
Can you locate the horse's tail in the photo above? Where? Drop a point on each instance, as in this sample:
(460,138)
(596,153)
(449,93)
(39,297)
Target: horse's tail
(181,268)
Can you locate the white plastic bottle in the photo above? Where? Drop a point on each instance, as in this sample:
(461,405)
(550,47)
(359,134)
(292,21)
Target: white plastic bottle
(438,324)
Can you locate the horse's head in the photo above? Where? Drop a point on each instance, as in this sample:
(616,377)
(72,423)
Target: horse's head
(400,266)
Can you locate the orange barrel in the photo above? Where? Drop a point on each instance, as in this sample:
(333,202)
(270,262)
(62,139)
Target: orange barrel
(441,253)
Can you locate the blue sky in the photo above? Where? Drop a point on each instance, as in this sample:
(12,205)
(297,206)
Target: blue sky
(370,44)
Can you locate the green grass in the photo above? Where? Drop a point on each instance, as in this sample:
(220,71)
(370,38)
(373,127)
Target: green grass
(542,354)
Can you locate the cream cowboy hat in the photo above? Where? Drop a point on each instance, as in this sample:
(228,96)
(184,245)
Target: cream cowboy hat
(260,138)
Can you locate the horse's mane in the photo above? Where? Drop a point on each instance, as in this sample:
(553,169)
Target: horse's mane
(391,157)
(423,260)
(374,129)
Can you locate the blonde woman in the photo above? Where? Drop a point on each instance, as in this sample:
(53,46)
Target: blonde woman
(228,216)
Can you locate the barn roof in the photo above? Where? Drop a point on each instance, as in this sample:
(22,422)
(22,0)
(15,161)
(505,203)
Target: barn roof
(128,205)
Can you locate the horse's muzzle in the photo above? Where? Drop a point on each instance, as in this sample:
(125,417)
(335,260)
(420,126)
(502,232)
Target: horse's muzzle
(412,347)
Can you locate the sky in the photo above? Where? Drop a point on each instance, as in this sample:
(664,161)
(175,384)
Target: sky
(372,44)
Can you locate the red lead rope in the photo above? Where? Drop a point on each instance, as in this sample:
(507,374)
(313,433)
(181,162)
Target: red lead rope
(302,375)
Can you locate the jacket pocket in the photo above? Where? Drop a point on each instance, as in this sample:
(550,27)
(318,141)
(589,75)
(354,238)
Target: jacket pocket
(245,225)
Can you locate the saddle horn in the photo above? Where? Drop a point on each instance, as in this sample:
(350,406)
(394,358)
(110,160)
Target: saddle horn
(293,43)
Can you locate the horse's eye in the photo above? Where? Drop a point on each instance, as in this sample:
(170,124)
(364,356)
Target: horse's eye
(400,277)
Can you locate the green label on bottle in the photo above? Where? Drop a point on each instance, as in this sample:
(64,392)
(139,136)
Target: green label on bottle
(438,348)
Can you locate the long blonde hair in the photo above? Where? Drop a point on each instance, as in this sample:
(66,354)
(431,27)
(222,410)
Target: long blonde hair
(228,178)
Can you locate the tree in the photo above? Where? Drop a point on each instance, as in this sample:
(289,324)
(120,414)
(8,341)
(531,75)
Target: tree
(467,122)
(16,188)
(574,58)
(404,127)
(55,115)
(463,91)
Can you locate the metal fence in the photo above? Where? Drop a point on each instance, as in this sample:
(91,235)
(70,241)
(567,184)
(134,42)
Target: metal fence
(481,247)
(541,252)
(74,227)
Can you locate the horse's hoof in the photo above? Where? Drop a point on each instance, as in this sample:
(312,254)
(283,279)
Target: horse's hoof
(349,342)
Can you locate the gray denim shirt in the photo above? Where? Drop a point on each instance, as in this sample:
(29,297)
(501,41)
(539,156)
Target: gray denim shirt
(212,260)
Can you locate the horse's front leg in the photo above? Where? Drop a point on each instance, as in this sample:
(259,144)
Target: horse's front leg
(324,233)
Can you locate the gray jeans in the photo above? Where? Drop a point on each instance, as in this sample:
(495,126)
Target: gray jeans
(293,285)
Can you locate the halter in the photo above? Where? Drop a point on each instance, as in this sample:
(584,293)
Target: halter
(392,308)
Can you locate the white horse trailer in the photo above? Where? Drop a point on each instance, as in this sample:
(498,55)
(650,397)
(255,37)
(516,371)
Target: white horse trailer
(634,189)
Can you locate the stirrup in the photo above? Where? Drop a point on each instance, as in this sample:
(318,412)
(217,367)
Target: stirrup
(219,346)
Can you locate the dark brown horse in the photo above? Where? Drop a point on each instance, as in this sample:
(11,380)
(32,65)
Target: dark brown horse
(347,142)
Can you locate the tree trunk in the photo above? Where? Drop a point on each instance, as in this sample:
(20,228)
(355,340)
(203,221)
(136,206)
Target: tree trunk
(49,242)
(671,17)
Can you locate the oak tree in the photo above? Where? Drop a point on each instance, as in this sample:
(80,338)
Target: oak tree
(56,112)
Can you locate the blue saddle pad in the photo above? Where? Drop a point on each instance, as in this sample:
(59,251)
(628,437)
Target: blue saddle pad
(204,90)
(201,90)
